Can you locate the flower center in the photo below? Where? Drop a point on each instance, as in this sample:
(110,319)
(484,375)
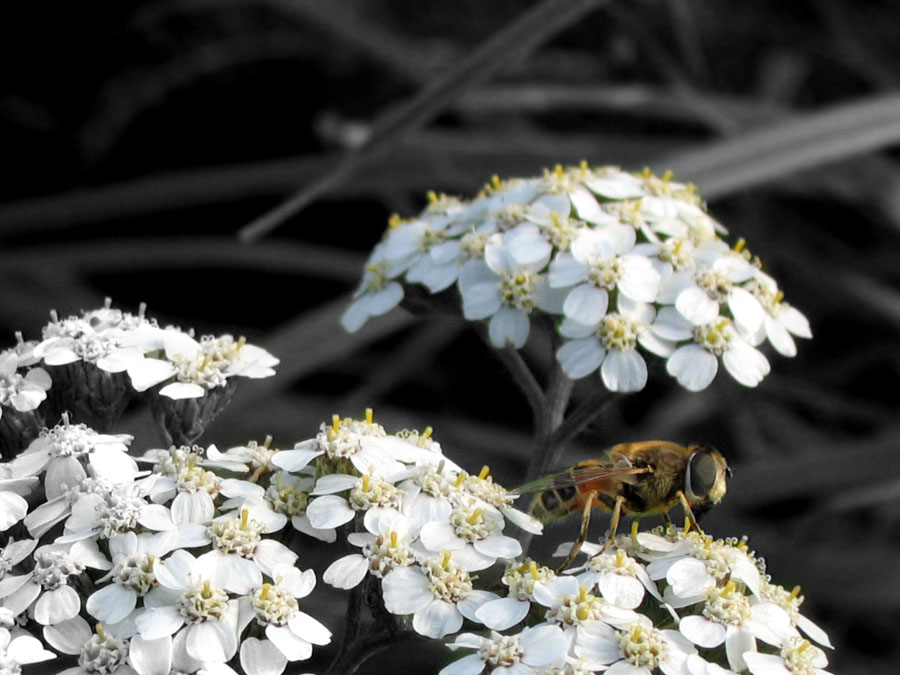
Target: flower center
(374,492)
(52,568)
(716,284)
(521,578)
(202,602)
(119,513)
(504,651)
(642,647)
(614,563)
(472,243)
(619,332)
(715,337)
(516,289)
(237,535)
(273,605)
(800,656)
(286,497)
(677,251)
(448,580)
(103,653)
(605,273)
(473,523)
(135,571)
(561,230)
(387,553)
(574,609)
(727,605)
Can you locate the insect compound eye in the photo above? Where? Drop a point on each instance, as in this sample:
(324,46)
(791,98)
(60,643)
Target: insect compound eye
(702,473)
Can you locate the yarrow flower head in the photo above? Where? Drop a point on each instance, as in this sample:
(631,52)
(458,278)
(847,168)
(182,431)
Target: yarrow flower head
(631,261)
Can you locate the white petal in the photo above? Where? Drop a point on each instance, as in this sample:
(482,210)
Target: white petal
(746,364)
(296,459)
(334,482)
(329,511)
(766,664)
(745,309)
(794,321)
(159,622)
(472,664)
(150,657)
(437,619)
(639,279)
(57,605)
(693,367)
(212,640)
(312,630)
(112,603)
(261,657)
(346,572)
(503,613)
(193,507)
(543,645)
(688,577)
(622,591)
(737,643)
(580,357)
(624,371)
(779,337)
(670,325)
(509,327)
(498,546)
(439,536)
(586,304)
(294,647)
(697,307)
(565,271)
(405,590)
(181,390)
(701,631)
(481,301)
(69,636)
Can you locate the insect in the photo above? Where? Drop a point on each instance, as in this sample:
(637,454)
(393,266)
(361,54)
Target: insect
(635,479)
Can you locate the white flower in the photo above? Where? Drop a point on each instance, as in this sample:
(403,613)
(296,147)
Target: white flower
(619,577)
(694,365)
(192,599)
(438,595)
(610,345)
(131,577)
(385,546)
(570,603)
(636,649)
(540,647)
(100,651)
(474,532)
(20,650)
(507,284)
(67,451)
(781,321)
(365,492)
(46,588)
(21,392)
(797,656)
(274,607)
(727,616)
(240,555)
(790,602)
(377,293)
(520,578)
(598,265)
(179,473)
(13,490)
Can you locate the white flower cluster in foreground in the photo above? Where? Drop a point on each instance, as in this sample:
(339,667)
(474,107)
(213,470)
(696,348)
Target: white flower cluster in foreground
(629,263)
(180,568)
(177,561)
(678,604)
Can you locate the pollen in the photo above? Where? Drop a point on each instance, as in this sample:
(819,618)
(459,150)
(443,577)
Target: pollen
(642,647)
(448,580)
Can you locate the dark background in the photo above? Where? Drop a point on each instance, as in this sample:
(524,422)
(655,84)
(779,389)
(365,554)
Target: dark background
(138,138)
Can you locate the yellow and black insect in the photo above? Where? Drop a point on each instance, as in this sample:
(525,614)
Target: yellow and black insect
(635,479)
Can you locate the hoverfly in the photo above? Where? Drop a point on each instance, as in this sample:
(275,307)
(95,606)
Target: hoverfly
(635,479)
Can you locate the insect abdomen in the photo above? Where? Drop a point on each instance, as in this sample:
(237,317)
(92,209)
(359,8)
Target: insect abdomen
(554,504)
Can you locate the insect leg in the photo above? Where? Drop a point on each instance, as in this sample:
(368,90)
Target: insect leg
(614,522)
(582,535)
(689,519)
(667,521)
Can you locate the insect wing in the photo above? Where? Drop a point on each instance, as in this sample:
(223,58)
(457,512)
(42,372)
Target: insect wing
(581,474)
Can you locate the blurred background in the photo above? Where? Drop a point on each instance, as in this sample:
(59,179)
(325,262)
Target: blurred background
(138,139)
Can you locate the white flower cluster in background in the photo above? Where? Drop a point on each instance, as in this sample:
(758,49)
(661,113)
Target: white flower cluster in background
(628,265)
(119,342)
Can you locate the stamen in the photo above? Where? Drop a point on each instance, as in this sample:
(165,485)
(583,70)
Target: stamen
(634,533)
(264,591)
(795,592)
(245,517)
(476,514)
(729,589)
(370,415)
(620,558)
(445,561)
(394,220)
(207,590)
(532,567)
(365,483)
(393,539)
(267,442)
(485,471)
(427,433)
(739,245)
(433,197)
(335,423)
(100,632)
(460,479)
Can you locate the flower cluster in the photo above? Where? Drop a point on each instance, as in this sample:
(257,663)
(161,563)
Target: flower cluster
(627,263)
(668,602)
(422,525)
(93,365)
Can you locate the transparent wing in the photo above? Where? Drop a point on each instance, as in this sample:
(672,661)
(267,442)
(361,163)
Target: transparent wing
(617,469)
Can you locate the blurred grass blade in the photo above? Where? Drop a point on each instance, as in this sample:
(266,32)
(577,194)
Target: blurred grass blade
(513,42)
(796,144)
